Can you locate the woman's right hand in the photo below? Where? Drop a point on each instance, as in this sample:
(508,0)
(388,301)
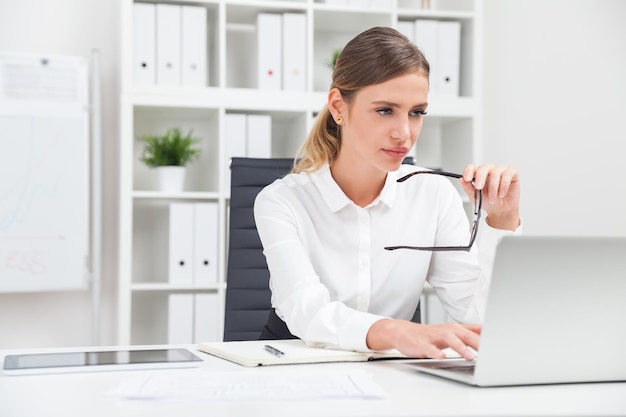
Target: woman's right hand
(424,340)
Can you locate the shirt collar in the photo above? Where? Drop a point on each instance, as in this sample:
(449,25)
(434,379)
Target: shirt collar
(335,198)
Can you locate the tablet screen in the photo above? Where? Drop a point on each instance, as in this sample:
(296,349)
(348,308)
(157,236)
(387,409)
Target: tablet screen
(99,360)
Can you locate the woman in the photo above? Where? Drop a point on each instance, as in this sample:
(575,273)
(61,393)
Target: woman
(324,227)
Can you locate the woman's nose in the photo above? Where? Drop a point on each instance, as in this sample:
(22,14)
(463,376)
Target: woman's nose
(402,129)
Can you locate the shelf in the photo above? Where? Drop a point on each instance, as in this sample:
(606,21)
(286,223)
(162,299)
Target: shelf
(232,98)
(451,136)
(150,287)
(272,101)
(439,6)
(187,195)
(405,14)
(377,7)
(244,12)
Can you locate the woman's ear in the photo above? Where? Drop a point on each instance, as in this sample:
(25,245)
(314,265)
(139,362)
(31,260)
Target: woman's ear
(336,105)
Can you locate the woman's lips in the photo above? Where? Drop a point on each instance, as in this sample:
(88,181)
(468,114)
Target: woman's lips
(396,153)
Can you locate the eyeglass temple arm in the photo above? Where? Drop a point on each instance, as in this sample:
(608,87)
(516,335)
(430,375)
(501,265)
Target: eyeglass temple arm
(430,248)
(444,173)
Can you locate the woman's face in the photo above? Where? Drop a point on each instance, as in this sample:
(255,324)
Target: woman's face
(384,121)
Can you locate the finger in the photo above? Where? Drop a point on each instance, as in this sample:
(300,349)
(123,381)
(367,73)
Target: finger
(469,189)
(458,345)
(470,339)
(466,181)
(509,175)
(468,173)
(433,352)
(476,328)
(480,175)
(494,182)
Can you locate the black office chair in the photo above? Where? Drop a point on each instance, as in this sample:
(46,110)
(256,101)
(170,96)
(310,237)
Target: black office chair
(248,306)
(248,312)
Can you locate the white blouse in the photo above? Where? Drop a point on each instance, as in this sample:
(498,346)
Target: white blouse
(331,277)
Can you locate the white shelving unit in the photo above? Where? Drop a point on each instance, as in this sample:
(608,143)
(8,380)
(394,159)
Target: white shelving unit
(451,136)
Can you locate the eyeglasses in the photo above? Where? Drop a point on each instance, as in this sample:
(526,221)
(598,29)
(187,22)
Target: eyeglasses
(478,203)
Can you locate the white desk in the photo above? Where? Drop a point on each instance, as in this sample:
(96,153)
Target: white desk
(409,393)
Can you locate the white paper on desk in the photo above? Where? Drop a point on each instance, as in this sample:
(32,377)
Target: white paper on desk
(238,386)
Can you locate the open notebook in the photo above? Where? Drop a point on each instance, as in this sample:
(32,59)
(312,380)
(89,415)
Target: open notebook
(293,351)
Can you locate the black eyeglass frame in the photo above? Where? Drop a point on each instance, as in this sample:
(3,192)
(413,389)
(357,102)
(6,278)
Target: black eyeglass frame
(478,197)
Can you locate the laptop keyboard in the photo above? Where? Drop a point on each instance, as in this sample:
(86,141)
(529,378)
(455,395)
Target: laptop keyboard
(463,369)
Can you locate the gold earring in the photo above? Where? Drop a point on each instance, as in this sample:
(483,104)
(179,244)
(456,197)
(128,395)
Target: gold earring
(338,120)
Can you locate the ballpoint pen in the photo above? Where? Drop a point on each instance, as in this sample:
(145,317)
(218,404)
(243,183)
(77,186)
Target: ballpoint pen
(274,351)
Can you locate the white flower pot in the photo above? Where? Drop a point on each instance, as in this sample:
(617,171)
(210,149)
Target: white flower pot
(171,178)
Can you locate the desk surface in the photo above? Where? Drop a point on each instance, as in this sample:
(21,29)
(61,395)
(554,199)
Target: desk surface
(408,393)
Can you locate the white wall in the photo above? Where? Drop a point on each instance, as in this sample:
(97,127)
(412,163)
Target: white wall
(555,98)
(555,105)
(69,27)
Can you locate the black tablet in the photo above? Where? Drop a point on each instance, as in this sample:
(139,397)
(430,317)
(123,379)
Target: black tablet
(104,360)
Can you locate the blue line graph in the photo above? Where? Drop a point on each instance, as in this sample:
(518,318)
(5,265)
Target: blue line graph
(35,173)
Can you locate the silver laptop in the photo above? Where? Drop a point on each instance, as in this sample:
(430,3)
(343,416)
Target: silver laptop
(556,313)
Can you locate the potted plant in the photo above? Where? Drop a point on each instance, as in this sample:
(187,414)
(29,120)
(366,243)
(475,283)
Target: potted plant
(333,60)
(170,154)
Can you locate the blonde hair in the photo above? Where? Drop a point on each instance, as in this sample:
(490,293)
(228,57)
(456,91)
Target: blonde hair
(372,57)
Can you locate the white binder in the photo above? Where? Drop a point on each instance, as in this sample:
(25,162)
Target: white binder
(449,58)
(144,43)
(168,44)
(180,315)
(269,51)
(181,243)
(294,51)
(206,316)
(426,35)
(259,136)
(205,237)
(235,134)
(407,28)
(194,64)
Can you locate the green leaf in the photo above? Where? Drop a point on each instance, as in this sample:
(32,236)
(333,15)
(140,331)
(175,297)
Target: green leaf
(173,149)
(333,61)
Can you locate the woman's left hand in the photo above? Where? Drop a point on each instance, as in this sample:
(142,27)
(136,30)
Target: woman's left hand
(501,193)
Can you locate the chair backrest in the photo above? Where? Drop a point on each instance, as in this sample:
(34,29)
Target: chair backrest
(248,305)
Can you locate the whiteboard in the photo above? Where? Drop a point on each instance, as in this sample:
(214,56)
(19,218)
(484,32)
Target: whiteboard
(44,173)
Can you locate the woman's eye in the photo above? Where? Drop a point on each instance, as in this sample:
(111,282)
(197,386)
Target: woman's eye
(387,111)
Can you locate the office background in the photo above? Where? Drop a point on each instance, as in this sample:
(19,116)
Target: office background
(554,99)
